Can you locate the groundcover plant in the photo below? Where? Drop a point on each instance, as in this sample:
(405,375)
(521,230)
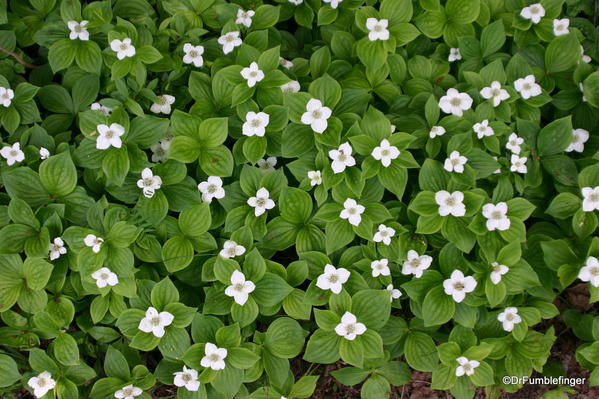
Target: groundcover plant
(230,199)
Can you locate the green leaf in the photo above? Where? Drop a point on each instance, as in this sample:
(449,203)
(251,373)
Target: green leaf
(58,174)
(213,132)
(555,137)
(371,307)
(492,38)
(438,307)
(284,338)
(10,372)
(563,52)
(420,351)
(462,11)
(115,364)
(323,347)
(36,273)
(164,293)
(61,54)
(196,220)
(66,350)
(177,253)
(265,17)
(295,205)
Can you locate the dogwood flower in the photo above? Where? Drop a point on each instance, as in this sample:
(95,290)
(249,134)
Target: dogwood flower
(560,26)
(12,154)
(352,211)
(350,328)
(450,203)
(527,87)
(518,164)
(416,264)
(377,29)
(455,102)
(509,318)
(590,271)
(315,177)
(342,158)
(78,30)
(380,267)
(163,105)
(496,216)
(332,279)
(292,86)
(44,153)
(513,143)
(579,137)
(160,150)
(454,54)
(239,289)
(285,63)
(458,286)
(155,322)
(253,74)
(149,183)
(214,358)
(57,248)
(94,242)
(261,202)
(255,124)
(99,107)
(128,392)
(590,201)
(193,54)
(211,188)
(104,276)
(109,136)
(6,96)
(483,129)
(231,249)
(495,92)
(384,234)
(498,271)
(244,17)
(465,366)
(316,115)
(123,48)
(41,384)
(334,3)
(267,165)
(533,12)
(455,162)
(436,131)
(229,41)
(187,378)
(385,153)
(394,293)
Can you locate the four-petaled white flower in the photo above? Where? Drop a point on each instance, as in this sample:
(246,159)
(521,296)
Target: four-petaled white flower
(229,41)
(231,249)
(514,142)
(78,30)
(187,378)
(450,203)
(377,29)
(590,200)
(342,158)
(394,293)
(6,96)
(44,153)
(495,92)
(334,3)
(465,367)
(436,131)
(518,164)
(261,202)
(193,54)
(163,105)
(12,154)
(352,211)
(527,87)
(214,357)
(109,136)
(498,270)
(455,102)
(533,12)
(239,289)
(255,124)
(149,183)
(160,150)
(332,279)
(253,74)
(315,177)
(41,384)
(57,248)
(483,129)
(416,264)
(385,153)
(316,115)
(457,285)
(285,63)
(590,271)
(455,162)
(99,107)
(509,318)
(350,328)
(94,242)
(123,48)
(128,392)
(211,188)
(380,267)
(496,216)
(292,86)
(155,322)
(560,26)
(384,234)
(267,165)
(579,137)
(245,17)
(104,276)
(454,54)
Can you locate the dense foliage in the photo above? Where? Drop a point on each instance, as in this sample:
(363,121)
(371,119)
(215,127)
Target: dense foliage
(196,192)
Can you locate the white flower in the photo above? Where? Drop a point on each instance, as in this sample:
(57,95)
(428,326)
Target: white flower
(245,17)
(455,162)
(12,153)
(496,216)
(590,271)
(349,328)
(6,96)
(533,12)
(231,249)
(560,26)
(78,30)
(239,288)
(316,115)
(229,41)
(450,203)
(104,276)
(509,317)
(465,366)
(498,271)
(149,183)
(122,48)
(579,137)
(436,131)
(380,267)
(378,29)
(513,143)
(454,54)
(341,158)
(315,177)
(384,234)
(214,358)
(41,384)
(193,54)
(334,3)
(99,107)
(332,279)
(458,286)
(590,201)
(394,293)
(292,86)
(385,153)
(212,188)
(416,264)
(255,124)
(285,63)
(109,136)
(163,105)
(155,322)
(267,165)
(527,87)
(253,74)
(495,92)
(518,164)
(296,2)
(94,242)
(585,58)
(128,392)
(261,202)
(187,378)
(392,128)
(352,211)
(455,102)
(44,153)
(483,129)
(57,248)
(160,150)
